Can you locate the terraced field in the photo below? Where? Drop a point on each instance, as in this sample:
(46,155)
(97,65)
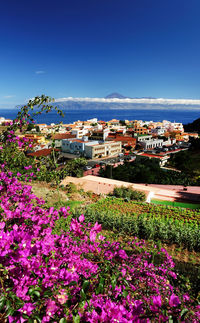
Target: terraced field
(149,221)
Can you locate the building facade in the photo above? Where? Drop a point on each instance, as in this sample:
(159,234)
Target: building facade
(105,149)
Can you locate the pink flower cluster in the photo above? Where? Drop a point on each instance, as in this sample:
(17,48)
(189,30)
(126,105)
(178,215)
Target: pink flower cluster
(78,274)
(22,143)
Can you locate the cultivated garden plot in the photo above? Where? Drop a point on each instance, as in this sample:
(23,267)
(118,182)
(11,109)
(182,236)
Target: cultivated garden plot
(148,221)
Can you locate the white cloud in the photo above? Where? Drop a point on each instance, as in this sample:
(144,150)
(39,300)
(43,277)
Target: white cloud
(9,96)
(39,72)
(137,101)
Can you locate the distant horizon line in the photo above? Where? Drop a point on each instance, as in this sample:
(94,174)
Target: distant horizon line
(132,100)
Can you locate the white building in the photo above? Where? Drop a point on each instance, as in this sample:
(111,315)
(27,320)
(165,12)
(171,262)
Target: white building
(3,120)
(158,131)
(75,145)
(151,144)
(91,149)
(177,126)
(141,138)
(105,149)
(93,120)
(147,142)
(79,132)
(173,126)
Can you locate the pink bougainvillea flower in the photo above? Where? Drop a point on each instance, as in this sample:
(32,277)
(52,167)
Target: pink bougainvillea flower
(174,301)
(92,236)
(157,301)
(62,297)
(27,308)
(81,218)
(51,308)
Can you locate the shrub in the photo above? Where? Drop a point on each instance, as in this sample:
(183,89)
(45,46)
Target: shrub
(128,193)
(71,188)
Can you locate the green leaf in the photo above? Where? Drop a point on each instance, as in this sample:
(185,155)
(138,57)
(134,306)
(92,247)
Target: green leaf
(3,298)
(76,319)
(183,313)
(86,285)
(73,283)
(63,320)
(125,293)
(10,312)
(126,282)
(37,318)
(99,289)
(37,288)
(113,282)
(82,294)
(36,292)
(8,304)
(2,303)
(31,289)
(82,304)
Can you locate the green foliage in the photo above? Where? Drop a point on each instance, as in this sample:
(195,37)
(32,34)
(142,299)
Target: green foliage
(128,193)
(31,126)
(122,122)
(189,161)
(193,127)
(62,225)
(73,168)
(71,188)
(178,204)
(148,221)
(145,171)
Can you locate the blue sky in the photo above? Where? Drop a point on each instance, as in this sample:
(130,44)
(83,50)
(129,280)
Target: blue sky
(91,48)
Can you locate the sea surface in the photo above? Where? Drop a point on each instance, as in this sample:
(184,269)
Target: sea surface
(173,115)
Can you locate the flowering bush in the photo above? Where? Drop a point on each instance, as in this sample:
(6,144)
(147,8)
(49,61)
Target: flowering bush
(13,149)
(77,275)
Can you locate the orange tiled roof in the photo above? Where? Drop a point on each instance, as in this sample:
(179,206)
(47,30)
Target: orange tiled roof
(42,152)
(60,136)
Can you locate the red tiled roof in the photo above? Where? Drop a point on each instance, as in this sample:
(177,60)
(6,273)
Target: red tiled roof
(60,136)
(79,140)
(42,152)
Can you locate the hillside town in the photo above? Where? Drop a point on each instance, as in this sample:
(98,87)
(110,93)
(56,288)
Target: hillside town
(111,142)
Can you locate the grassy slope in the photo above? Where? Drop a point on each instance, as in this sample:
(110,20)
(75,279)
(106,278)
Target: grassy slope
(177,204)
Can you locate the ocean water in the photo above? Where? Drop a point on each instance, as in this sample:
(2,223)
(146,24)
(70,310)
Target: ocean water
(184,116)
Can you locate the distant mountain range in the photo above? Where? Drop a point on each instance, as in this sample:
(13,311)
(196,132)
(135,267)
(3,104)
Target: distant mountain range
(118,101)
(120,96)
(116,96)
